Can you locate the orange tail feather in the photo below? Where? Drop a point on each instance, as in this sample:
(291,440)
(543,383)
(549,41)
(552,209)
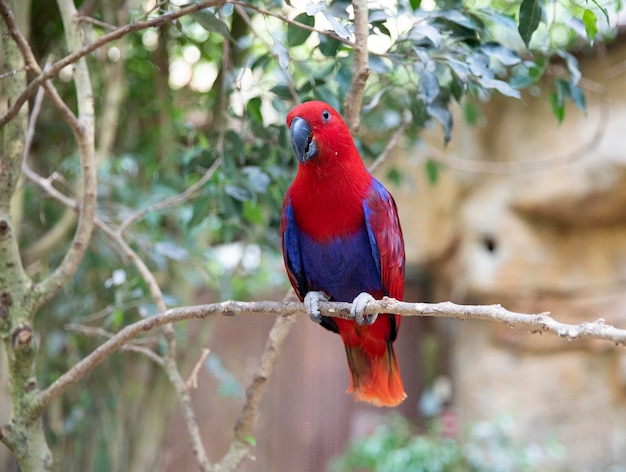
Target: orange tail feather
(375,377)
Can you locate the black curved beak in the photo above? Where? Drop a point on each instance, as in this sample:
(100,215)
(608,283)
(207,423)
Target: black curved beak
(302,140)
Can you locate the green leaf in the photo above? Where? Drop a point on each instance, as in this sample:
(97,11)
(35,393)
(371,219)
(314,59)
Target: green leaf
(395,176)
(415,4)
(337,27)
(116,318)
(201,206)
(558,107)
(497,19)
(441,113)
(251,440)
(506,56)
(328,46)
(521,81)
(253,109)
(171,250)
(423,34)
(282,91)
(378,16)
(378,64)
(253,212)
(500,85)
(297,35)
(561,87)
(211,23)
(380,25)
(465,20)
(591,24)
(530,12)
(472,113)
(258,180)
(432,171)
(572,66)
(458,68)
(428,88)
(578,97)
(558,97)
(238,193)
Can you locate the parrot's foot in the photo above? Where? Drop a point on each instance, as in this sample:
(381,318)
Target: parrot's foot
(358,308)
(312,305)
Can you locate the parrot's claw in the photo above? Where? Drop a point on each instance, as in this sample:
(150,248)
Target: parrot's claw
(358,308)
(312,305)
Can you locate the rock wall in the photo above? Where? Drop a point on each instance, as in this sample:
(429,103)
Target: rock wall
(532,214)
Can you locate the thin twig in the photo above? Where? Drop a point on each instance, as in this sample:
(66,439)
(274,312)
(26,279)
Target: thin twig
(192,381)
(10,73)
(171,201)
(97,331)
(95,22)
(389,147)
(32,122)
(149,353)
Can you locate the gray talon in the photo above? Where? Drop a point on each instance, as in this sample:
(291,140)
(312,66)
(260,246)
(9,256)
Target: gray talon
(312,305)
(358,308)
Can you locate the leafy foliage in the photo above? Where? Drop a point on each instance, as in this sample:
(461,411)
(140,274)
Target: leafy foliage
(394,446)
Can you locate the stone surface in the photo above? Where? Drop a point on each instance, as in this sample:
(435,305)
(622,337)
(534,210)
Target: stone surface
(531,214)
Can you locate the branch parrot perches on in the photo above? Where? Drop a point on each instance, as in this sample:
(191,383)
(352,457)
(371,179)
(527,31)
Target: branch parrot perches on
(342,241)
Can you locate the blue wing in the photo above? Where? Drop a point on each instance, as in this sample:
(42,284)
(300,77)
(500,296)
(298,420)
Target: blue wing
(385,236)
(291,251)
(387,245)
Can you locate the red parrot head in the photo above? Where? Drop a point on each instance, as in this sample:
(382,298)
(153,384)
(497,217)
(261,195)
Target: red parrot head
(318,133)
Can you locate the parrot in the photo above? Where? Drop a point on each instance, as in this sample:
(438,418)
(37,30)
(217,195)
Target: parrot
(342,241)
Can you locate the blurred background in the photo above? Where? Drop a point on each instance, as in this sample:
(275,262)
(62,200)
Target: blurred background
(509,172)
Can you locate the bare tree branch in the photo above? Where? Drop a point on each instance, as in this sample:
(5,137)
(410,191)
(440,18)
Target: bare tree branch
(184,399)
(45,290)
(535,323)
(53,237)
(97,43)
(354,99)
(33,65)
(240,445)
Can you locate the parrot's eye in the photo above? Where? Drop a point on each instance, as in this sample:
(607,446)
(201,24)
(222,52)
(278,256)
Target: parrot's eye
(326,116)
